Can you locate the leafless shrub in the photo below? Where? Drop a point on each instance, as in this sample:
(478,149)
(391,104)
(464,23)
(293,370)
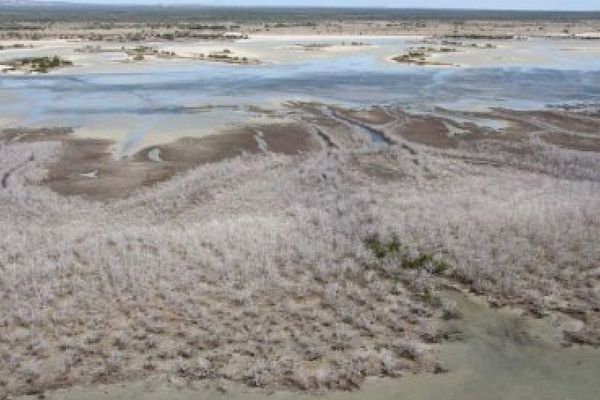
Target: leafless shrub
(69,359)
(114,362)
(31,372)
(253,268)
(450,310)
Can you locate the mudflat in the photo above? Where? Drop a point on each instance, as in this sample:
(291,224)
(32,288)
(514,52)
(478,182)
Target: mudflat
(349,203)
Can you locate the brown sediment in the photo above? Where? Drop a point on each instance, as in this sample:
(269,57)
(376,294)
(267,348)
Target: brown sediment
(373,115)
(35,134)
(518,125)
(429,131)
(336,131)
(189,151)
(435,130)
(373,135)
(548,120)
(260,110)
(572,141)
(87,167)
(207,149)
(288,138)
(515,119)
(569,121)
(313,111)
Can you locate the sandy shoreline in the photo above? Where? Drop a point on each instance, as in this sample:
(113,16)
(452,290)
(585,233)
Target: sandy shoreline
(323,37)
(266,49)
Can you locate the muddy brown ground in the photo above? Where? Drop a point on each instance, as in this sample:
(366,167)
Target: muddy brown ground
(89,168)
(375,115)
(573,142)
(158,340)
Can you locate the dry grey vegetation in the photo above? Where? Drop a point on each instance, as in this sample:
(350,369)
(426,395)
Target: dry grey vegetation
(310,271)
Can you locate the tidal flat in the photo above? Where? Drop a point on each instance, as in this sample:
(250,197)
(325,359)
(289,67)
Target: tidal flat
(271,205)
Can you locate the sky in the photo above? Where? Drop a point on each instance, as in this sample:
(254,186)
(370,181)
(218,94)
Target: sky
(478,4)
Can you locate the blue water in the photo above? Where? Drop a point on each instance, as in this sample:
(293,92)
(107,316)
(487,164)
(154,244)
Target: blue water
(355,80)
(173,91)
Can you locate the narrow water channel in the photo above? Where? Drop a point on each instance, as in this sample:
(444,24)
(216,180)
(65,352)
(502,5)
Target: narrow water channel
(373,135)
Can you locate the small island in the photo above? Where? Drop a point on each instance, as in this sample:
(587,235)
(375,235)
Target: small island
(420,55)
(323,46)
(228,57)
(15,46)
(36,64)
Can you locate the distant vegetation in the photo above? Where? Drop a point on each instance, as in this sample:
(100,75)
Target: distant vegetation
(14,46)
(38,64)
(190,15)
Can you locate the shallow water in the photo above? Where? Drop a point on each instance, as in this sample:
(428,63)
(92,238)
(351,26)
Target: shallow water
(505,357)
(149,102)
(373,136)
(502,356)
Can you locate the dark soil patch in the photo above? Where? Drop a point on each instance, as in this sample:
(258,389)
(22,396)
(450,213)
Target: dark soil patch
(374,115)
(573,142)
(427,131)
(88,168)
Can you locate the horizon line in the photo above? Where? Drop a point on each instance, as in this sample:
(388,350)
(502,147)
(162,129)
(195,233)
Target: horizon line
(184,4)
